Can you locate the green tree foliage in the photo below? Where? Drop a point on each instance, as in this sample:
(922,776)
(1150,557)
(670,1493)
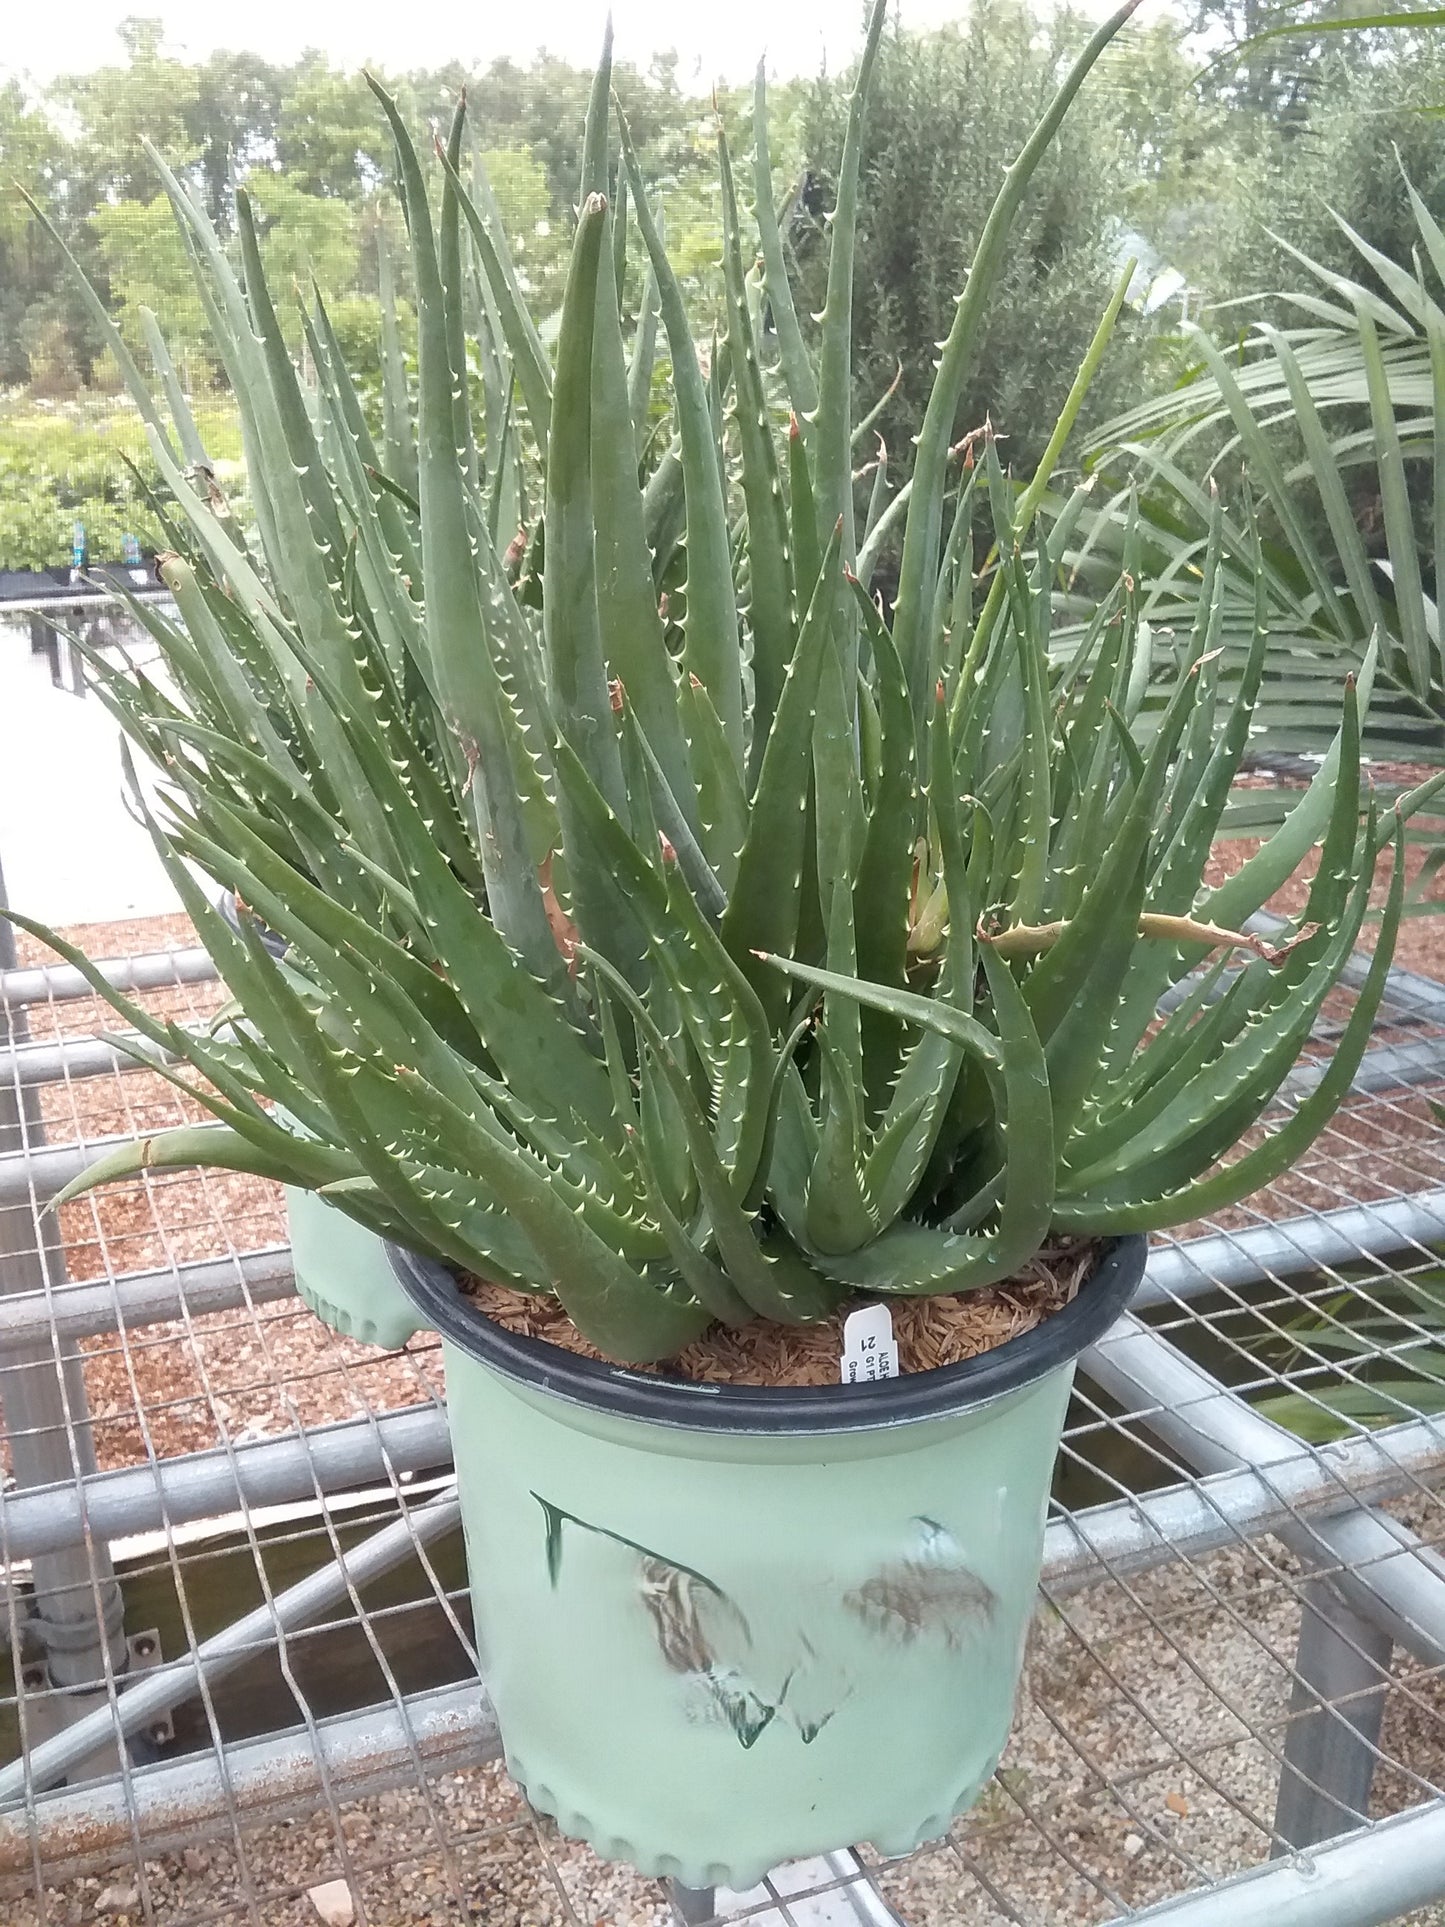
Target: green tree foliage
(35,300)
(326,137)
(543,108)
(151,97)
(1369,123)
(534,232)
(1200,169)
(145,263)
(950,110)
(305,237)
(233,120)
(1266,57)
(305,140)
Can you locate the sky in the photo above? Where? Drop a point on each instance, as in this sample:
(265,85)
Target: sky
(716,40)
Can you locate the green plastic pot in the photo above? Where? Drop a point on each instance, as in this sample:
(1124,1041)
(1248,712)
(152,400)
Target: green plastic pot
(725,1626)
(344,1275)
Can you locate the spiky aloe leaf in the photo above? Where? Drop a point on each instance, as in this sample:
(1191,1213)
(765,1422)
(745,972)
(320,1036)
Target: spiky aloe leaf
(792,1293)
(218,1145)
(797,364)
(717,1008)
(577,672)
(840,1214)
(529,356)
(466,674)
(524,835)
(631,631)
(640,365)
(398,433)
(707,1281)
(916,1258)
(832,438)
(1125,1209)
(883,880)
(923,528)
(763,903)
(713,651)
(770,578)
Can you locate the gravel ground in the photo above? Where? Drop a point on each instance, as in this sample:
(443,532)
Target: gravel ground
(464,1848)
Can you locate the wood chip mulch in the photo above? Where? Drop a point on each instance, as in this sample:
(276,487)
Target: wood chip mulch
(931,1331)
(190,1385)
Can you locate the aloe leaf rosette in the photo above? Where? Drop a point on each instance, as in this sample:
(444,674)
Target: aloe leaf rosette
(668,925)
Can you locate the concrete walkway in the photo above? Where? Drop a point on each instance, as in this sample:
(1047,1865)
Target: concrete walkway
(70,849)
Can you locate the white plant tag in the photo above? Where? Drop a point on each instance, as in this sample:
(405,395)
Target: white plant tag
(870,1350)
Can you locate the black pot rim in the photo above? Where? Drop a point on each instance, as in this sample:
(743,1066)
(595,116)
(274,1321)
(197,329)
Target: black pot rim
(658,1399)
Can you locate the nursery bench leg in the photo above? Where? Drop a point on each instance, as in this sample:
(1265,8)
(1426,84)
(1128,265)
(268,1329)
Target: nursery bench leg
(76,1612)
(831,1890)
(1341,1673)
(692,1905)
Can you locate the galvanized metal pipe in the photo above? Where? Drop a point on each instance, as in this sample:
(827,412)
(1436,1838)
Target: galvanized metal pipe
(279,1777)
(91,602)
(77,1614)
(1337,1706)
(89,1308)
(1386,1068)
(207,1485)
(72,1058)
(1176,1272)
(163,1687)
(33,1177)
(1128,1536)
(1364,1880)
(62,983)
(1378,1566)
(1351,1235)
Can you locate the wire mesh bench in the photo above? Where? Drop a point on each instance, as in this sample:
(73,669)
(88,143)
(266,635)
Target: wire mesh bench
(240,1658)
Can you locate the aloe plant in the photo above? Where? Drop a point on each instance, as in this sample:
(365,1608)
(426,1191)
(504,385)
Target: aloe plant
(721,959)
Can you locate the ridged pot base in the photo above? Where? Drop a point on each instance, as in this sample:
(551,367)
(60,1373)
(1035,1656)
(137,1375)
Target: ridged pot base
(342,1274)
(666,1866)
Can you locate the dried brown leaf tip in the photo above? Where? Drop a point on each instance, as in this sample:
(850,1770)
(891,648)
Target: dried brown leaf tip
(565,933)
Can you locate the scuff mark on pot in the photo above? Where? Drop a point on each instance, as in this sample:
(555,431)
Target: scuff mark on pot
(928,1591)
(694,1617)
(702,1635)
(556,1517)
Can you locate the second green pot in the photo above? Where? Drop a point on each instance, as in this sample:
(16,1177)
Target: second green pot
(343,1274)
